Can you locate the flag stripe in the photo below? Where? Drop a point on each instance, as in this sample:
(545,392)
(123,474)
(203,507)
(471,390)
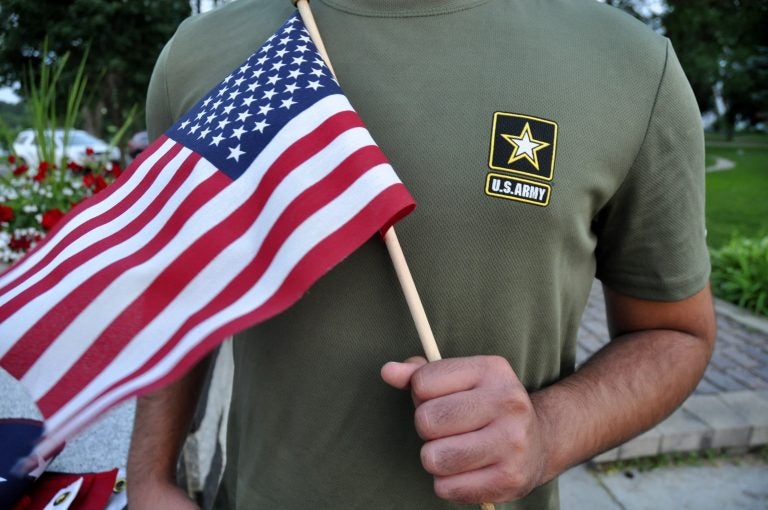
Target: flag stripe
(69,303)
(84,218)
(303,123)
(68,347)
(90,232)
(167,286)
(83,268)
(166,366)
(111,234)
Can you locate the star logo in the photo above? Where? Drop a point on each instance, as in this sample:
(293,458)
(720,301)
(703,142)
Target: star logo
(523,144)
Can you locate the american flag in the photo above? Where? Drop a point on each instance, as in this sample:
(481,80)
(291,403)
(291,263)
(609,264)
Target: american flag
(226,220)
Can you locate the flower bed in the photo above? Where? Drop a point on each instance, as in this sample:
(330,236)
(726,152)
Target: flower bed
(33,200)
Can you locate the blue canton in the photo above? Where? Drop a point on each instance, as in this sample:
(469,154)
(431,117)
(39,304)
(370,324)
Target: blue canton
(233,123)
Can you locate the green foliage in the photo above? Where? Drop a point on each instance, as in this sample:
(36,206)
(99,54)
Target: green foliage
(736,198)
(42,95)
(13,118)
(708,457)
(7,135)
(125,39)
(740,273)
(723,45)
(33,200)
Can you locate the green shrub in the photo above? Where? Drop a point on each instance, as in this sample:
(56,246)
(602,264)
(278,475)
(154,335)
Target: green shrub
(740,273)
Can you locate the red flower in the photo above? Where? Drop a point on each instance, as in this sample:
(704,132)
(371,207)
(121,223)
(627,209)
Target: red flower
(20,170)
(50,218)
(95,183)
(116,170)
(23,242)
(42,171)
(89,151)
(100,184)
(6,213)
(11,159)
(75,167)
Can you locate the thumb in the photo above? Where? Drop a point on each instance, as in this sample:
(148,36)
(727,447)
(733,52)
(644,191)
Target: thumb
(398,375)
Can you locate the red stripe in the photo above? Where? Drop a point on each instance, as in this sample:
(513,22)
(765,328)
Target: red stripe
(179,272)
(44,331)
(86,254)
(93,223)
(389,204)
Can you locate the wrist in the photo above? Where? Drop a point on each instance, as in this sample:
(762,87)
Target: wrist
(556,441)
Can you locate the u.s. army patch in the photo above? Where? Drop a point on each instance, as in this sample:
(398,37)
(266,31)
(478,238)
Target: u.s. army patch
(514,188)
(523,144)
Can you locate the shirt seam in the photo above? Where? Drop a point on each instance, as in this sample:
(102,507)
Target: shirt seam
(650,117)
(672,288)
(420,13)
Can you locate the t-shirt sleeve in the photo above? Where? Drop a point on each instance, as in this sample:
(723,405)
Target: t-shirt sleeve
(651,234)
(158,112)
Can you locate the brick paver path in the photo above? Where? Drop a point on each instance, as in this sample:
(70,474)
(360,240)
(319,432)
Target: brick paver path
(740,360)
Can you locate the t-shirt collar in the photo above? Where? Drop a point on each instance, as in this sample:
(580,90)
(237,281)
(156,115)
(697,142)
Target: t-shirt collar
(401,8)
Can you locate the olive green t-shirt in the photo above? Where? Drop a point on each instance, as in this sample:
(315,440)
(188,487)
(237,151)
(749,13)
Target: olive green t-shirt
(545,143)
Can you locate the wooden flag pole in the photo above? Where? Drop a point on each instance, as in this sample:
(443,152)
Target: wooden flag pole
(423,328)
(390,238)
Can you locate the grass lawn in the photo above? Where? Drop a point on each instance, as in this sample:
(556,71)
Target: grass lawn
(737,199)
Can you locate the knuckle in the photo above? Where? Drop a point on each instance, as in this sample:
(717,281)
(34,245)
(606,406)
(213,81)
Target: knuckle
(498,362)
(446,490)
(513,482)
(439,459)
(428,459)
(516,437)
(423,422)
(419,384)
(442,416)
(515,401)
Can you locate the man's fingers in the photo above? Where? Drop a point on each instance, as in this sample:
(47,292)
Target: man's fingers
(398,374)
(459,413)
(486,485)
(453,375)
(459,454)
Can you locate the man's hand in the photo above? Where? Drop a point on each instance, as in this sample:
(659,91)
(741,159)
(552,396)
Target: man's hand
(483,437)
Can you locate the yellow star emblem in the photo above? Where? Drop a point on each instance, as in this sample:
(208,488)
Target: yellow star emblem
(525,146)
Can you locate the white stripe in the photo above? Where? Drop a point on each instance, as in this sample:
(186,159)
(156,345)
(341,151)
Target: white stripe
(207,283)
(25,317)
(13,328)
(59,357)
(85,215)
(301,241)
(97,234)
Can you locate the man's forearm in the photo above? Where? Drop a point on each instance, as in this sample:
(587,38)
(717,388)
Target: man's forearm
(160,427)
(626,388)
